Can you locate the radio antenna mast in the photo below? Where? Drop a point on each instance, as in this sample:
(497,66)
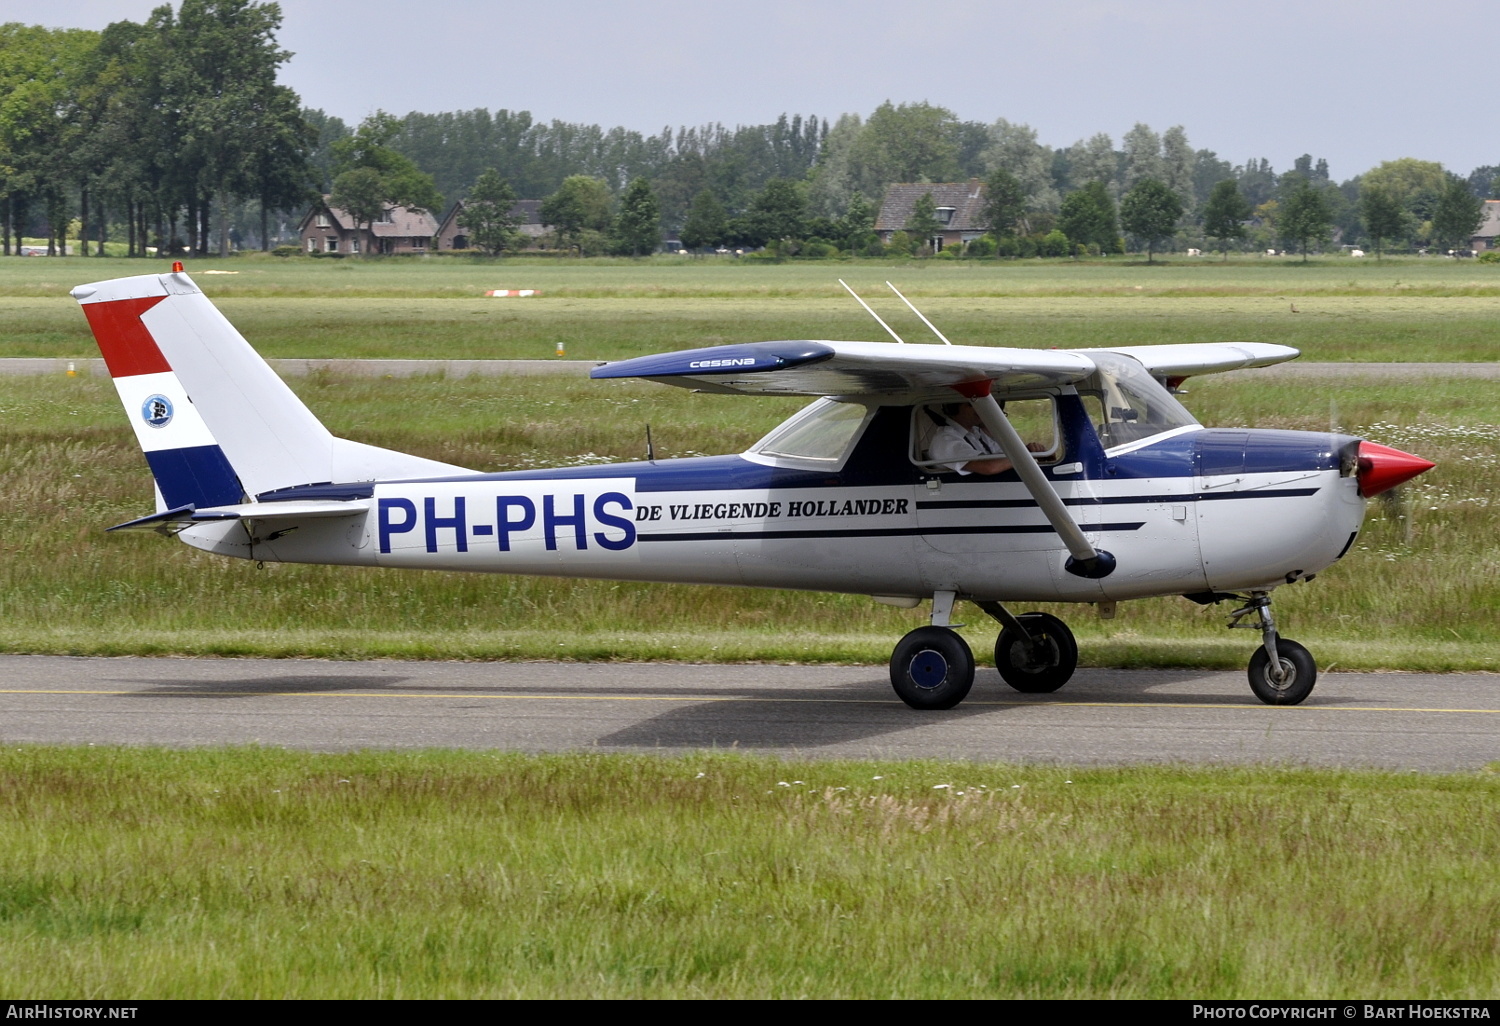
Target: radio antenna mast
(872,313)
(919,313)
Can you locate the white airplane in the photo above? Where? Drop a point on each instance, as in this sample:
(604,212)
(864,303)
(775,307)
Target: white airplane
(1106,488)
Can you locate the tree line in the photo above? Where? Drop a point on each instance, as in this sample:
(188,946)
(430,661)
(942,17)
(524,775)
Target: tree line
(174,134)
(148,128)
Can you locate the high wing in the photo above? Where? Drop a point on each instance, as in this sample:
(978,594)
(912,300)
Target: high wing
(914,371)
(1183,360)
(851,368)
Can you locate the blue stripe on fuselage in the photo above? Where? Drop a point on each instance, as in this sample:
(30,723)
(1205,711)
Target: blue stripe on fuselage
(198,475)
(880,461)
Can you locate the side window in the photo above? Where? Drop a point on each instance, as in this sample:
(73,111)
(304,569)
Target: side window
(1035,419)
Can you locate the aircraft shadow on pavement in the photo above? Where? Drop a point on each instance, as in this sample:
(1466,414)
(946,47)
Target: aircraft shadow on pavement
(761,724)
(246,687)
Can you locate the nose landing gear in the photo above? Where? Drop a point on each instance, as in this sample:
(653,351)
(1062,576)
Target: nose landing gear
(1282,672)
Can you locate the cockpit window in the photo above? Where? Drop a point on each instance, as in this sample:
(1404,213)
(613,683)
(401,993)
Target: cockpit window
(1126,403)
(1035,419)
(823,431)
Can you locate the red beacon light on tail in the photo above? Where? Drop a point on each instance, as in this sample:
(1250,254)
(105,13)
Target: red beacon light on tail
(1382,468)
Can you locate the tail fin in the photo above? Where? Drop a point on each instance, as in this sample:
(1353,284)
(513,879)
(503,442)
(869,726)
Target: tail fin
(216,423)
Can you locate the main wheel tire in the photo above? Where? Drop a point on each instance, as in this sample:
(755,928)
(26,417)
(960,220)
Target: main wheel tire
(1301,673)
(1042,664)
(932,668)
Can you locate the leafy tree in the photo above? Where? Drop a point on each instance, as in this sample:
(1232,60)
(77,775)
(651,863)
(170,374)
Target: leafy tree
(1088,217)
(1095,160)
(1143,157)
(777,212)
(705,222)
(1177,162)
(1383,215)
(1483,180)
(912,142)
(1416,184)
(277,168)
(369,176)
(1304,216)
(637,227)
(923,221)
(1004,202)
(580,204)
(1458,215)
(219,74)
(487,215)
(1015,148)
(857,227)
(361,191)
(1150,211)
(1225,214)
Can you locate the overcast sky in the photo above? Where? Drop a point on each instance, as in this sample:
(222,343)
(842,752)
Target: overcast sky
(1355,81)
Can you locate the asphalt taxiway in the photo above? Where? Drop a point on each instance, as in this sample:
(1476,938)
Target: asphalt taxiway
(1431,722)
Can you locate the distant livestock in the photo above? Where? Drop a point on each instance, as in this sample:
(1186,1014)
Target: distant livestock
(1356,252)
(1195,252)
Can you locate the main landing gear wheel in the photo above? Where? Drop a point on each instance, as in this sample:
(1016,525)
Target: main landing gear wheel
(1298,674)
(1044,662)
(932,668)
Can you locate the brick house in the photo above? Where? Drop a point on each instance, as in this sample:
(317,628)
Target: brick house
(328,229)
(450,235)
(959,210)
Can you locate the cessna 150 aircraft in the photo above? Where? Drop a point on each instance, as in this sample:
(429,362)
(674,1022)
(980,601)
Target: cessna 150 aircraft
(1107,488)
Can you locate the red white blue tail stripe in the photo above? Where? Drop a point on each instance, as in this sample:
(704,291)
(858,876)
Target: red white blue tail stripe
(189,466)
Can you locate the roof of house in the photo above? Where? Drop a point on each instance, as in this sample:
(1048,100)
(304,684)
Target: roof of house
(966,199)
(403,223)
(1491,227)
(529,211)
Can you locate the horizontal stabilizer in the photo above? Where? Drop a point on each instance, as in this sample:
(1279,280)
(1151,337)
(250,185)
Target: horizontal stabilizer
(173,520)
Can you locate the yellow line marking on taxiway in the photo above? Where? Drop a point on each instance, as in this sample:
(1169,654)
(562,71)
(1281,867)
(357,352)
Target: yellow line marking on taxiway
(732,698)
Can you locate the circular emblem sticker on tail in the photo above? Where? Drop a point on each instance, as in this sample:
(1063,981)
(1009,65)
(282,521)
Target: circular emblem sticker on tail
(157,411)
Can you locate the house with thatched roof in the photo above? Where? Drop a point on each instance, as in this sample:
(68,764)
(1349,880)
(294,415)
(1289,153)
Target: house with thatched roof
(960,207)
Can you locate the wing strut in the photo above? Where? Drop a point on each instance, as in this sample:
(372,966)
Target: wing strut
(1085,560)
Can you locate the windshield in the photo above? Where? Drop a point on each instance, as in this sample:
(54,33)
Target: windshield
(822,431)
(1126,403)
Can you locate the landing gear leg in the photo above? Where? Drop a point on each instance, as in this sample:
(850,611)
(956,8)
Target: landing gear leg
(1282,672)
(1035,653)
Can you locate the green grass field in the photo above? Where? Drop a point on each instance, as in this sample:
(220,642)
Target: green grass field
(1359,310)
(1420,593)
(254,873)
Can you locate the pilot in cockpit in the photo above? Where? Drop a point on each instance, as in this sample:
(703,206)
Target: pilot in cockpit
(961,443)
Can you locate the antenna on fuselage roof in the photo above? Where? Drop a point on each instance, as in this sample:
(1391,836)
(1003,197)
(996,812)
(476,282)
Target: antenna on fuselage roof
(919,313)
(872,313)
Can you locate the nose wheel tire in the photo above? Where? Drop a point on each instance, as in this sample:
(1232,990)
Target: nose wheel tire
(1039,665)
(932,668)
(1299,674)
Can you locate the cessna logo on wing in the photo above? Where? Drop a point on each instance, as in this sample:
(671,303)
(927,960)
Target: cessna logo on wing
(742,361)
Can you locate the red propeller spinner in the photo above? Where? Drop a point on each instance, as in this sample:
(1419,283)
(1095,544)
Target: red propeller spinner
(1382,468)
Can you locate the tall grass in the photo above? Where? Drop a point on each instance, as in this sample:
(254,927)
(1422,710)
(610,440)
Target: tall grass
(1337,327)
(267,874)
(1421,592)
